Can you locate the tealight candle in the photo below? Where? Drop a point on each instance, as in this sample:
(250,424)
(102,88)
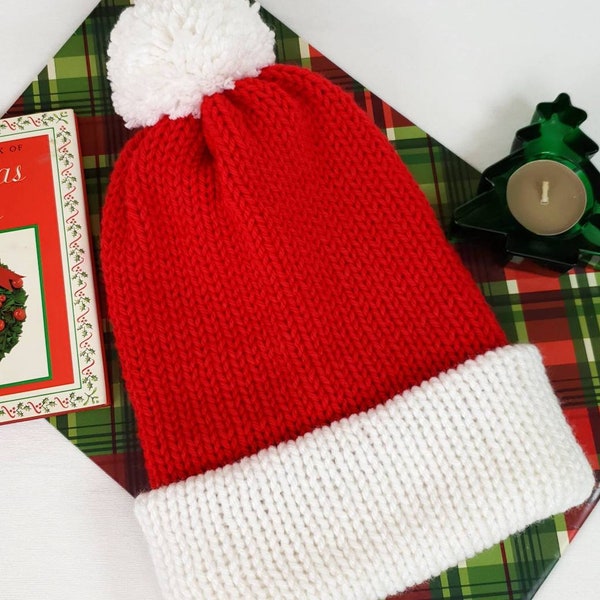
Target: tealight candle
(543,197)
(546,197)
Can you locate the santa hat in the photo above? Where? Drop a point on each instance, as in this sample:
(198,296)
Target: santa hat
(327,406)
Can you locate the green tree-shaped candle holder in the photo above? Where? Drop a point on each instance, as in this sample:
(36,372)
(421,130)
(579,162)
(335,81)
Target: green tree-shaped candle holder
(543,196)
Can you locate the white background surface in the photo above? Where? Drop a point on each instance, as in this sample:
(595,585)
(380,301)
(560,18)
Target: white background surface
(32,32)
(469,73)
(67,530)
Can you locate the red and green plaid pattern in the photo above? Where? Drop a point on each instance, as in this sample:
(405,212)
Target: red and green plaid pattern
(559,313)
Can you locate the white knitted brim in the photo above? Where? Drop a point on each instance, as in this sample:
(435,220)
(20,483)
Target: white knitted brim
(378,502)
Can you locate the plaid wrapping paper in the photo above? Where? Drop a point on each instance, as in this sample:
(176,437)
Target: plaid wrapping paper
(559,313)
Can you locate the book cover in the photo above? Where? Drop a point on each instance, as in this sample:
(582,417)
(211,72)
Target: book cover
(51,354)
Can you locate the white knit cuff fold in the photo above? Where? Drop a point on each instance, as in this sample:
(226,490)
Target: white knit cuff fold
(377,502)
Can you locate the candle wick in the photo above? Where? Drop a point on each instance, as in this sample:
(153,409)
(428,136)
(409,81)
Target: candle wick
(545,193)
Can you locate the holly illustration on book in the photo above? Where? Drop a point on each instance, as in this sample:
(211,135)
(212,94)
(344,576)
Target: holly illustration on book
(12,309)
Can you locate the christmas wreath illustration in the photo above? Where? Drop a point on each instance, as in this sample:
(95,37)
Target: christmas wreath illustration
(12,309)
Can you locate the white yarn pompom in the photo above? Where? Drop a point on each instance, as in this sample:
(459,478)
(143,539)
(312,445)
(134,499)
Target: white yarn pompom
(166,55)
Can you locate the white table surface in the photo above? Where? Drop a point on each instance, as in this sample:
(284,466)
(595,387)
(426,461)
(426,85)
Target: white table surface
(67,530)
(467,72)
(32,32)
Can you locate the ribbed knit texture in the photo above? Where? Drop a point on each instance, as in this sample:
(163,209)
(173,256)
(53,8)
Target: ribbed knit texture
(257,294)
(378,502)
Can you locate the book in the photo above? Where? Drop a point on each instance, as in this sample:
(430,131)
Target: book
(51,350)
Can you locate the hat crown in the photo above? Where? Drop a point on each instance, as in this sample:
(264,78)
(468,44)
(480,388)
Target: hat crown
(278,243)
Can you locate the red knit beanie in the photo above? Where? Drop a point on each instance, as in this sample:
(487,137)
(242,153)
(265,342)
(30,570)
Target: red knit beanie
(328,408)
